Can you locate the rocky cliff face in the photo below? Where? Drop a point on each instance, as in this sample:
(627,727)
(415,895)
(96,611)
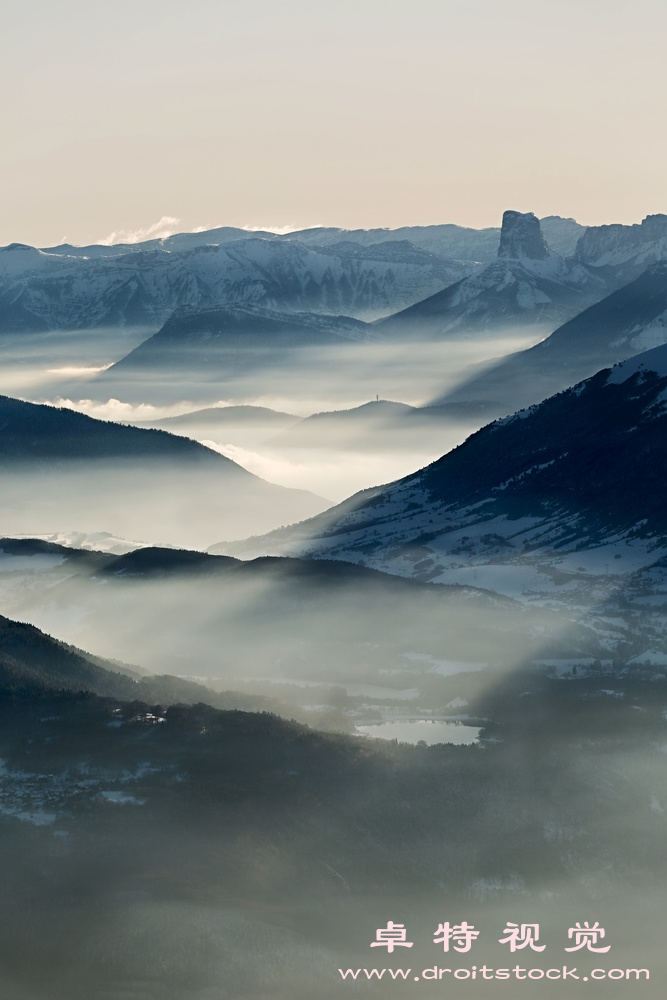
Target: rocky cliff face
(630,248)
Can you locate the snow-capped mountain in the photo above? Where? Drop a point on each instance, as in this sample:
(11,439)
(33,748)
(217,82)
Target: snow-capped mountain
(51,290)
(627,249)
(562,493)
(527,284)
(630,320)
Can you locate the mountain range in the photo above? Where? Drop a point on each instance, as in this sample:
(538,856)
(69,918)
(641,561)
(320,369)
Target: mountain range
(42,290)
(363,273)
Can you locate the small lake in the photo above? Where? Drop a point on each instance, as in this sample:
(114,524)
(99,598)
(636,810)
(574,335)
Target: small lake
(429,730)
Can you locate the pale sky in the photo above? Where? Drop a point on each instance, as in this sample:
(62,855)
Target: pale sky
(356,113)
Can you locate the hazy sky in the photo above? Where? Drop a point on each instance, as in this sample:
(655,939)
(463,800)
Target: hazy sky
(353,113)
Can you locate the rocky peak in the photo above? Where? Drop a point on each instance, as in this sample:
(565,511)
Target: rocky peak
(521,236)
